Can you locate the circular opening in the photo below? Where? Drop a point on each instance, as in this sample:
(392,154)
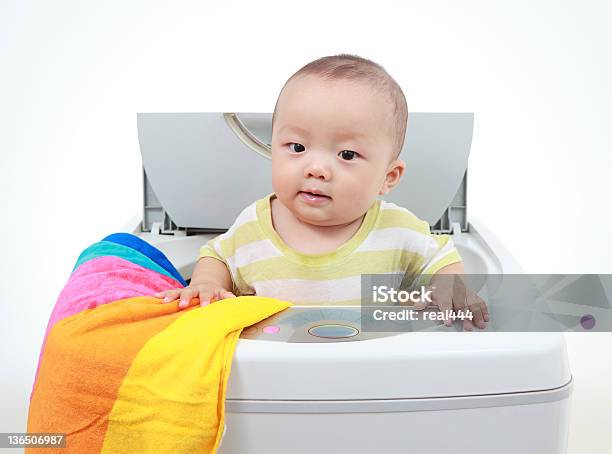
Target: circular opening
(333,331)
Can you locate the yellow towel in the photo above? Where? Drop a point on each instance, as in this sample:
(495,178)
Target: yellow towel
(178,380)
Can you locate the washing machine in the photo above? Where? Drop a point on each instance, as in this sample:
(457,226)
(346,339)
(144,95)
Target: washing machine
(310,379)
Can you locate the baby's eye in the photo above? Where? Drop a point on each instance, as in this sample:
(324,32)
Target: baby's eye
(348,155)
(296,147)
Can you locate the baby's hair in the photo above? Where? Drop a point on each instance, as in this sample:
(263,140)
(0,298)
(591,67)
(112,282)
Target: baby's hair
(353,67)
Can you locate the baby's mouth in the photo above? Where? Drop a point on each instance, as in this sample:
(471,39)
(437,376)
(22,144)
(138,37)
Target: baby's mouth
(312,197)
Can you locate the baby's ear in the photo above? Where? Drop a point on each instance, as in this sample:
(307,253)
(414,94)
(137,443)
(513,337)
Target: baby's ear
(393,176)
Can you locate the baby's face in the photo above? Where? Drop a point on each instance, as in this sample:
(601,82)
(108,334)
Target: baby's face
(334,138)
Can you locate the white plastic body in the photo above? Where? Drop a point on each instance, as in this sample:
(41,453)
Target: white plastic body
(525,429)
(414,392)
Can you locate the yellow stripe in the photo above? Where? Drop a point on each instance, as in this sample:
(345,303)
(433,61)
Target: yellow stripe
(207,251)
(452,257)
(238,284)
(172,398)
(251,231)
(352,302)
(391,218)
(365,262)
(247,233)
(338,264)
(441,240)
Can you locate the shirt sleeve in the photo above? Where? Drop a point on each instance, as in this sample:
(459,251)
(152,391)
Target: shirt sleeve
(224,248)
(440,253)
(210,249)
(445,254)
(220,248)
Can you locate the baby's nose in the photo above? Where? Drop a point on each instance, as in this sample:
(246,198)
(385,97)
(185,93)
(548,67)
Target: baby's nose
(317,170)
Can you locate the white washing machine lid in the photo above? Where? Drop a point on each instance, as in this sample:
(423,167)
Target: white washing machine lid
(411,365)
(204,148)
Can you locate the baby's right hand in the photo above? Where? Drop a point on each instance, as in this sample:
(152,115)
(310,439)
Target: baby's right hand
(207,292)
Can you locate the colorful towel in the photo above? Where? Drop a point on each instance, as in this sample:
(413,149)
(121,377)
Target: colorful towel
(121,372)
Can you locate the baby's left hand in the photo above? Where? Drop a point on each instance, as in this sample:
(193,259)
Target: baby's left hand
(450,293)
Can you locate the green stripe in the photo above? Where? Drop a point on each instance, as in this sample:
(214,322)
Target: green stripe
(108,248)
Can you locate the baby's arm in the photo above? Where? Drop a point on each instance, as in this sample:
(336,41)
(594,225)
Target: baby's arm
(210,281)
(449,296)
(453,268)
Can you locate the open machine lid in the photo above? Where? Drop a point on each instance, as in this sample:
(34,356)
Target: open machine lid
(202,169)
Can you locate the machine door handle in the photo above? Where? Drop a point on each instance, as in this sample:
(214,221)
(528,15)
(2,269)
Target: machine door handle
(246,136)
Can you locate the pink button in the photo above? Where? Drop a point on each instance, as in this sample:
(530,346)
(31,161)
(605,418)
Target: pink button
(271,329)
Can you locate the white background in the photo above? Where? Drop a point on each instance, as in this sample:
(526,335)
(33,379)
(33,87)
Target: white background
(75,73)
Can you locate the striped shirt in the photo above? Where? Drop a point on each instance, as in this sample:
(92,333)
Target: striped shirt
(390,240)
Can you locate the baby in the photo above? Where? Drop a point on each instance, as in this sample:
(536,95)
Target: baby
(337,130)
